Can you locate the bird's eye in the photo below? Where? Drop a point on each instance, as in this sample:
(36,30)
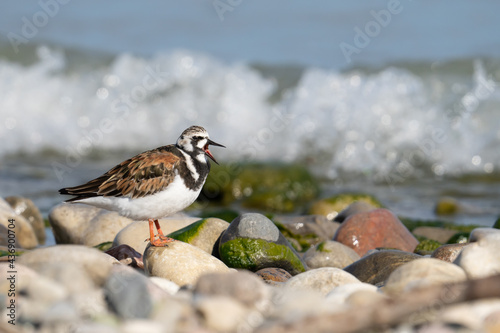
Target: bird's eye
(197,138)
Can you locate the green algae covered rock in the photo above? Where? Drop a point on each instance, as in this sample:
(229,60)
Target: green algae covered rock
(332,206)
(202,234)
(255,254)
(253,242)
(427,246)
(267,187)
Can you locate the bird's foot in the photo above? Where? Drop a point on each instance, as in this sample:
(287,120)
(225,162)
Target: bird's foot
(161,241)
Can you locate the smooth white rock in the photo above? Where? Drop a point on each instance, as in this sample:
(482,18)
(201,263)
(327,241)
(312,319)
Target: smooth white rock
(481,258)
(75,223)
(96,263)
(422,272)
(340,294)
(222,314)
(25,236)
(166,285)
(471,314)
(180,262)
(322,280)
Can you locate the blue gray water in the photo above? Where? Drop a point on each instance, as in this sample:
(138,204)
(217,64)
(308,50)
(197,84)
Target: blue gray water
(396,98)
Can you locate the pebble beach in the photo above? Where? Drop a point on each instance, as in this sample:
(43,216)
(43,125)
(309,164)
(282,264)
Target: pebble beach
(348,265)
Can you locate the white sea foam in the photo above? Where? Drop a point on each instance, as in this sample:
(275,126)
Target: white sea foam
(391,121)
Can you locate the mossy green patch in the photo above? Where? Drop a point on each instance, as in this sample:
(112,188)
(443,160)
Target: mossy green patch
(427,246)
(189,232)
(255,254)
(497,224)
(104,246)
(331,206)
(268,187)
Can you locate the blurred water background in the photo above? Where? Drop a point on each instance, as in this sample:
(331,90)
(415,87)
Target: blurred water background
(399,99)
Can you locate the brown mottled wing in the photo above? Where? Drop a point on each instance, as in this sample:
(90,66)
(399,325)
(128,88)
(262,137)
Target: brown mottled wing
(144,174)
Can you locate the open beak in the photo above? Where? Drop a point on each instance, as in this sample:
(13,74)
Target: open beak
(207,151)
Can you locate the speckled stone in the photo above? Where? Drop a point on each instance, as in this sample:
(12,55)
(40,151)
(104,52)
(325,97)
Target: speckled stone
(378,228)
(448,252)
(273,275)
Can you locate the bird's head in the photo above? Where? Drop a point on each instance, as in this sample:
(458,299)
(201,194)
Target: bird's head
(195,139)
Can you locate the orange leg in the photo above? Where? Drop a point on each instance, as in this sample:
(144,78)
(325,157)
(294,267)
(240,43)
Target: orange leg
(162,239)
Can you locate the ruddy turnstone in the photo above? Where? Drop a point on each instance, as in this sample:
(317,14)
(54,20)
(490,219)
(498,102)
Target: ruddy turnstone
(153,184)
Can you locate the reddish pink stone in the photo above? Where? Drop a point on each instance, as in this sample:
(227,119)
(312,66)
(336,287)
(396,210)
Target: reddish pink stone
(377,228)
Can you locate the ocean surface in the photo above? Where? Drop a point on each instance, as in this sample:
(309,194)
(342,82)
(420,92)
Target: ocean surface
(400,99)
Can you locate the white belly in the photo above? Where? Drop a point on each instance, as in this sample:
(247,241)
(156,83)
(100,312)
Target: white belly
(173,199)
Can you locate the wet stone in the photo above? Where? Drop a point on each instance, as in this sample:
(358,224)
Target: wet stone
(253,242)
(378,228)
(376,267)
